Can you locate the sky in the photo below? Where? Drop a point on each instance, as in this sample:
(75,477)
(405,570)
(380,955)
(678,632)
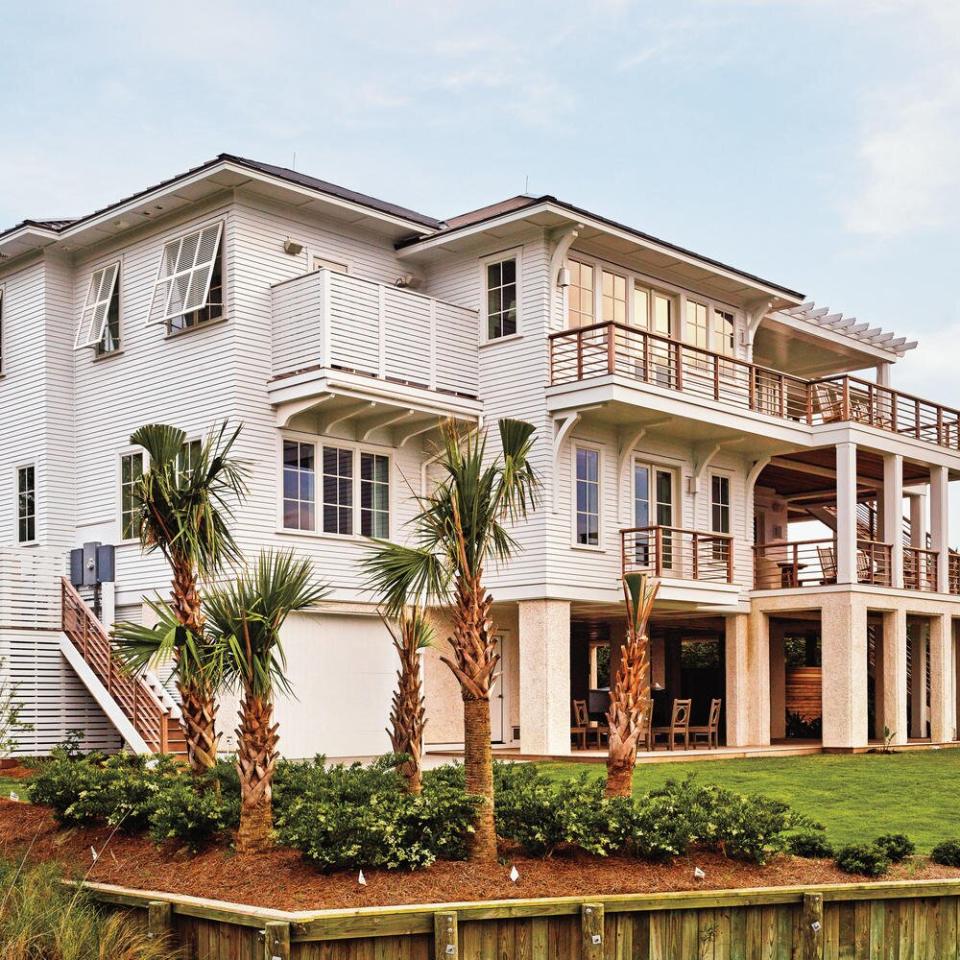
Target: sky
(813,142)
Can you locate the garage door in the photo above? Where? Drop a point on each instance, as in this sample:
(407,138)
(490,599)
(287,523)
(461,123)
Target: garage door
(342,671)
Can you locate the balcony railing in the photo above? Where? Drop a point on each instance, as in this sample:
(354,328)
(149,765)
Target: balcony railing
(920,569)
(678,554)
(611,348)
(342,322)
(807,563)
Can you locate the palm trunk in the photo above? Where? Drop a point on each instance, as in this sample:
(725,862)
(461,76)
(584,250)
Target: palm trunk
(256,759)
(475,660)
(628,700)
(407,714)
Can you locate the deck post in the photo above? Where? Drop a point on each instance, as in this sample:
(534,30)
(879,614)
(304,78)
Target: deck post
(893,515)
(846,512)
(892,666)
(940,523)
(943,710)
(591,930)
(445,936)
(813,926)
(276,940)
(159,918)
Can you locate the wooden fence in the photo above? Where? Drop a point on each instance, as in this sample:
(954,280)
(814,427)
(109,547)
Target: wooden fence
(897,920)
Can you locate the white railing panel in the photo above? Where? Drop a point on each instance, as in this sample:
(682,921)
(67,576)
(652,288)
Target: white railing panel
(30,588)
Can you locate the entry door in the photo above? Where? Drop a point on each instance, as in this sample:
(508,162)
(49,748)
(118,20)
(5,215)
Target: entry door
(654,496)
(496,699)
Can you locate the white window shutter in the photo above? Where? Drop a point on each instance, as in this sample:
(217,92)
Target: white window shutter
(96,306)
(186,268)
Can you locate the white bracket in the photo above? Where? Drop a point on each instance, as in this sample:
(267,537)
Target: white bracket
(753,474)
(378,421)
(288,411)
(326,424)
(562,428)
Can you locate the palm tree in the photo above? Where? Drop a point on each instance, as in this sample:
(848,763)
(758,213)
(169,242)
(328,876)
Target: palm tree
(459,528)
(631,689)
(411,634)
(244,619)
(185,497)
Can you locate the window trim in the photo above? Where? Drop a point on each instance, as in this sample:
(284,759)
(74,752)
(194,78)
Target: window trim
(161,318)
(576,445)
(319,442)
(511,253)
(26,465)
(721,475)
(121,453)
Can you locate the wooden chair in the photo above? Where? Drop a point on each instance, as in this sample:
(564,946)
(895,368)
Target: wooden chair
(581,722)
(712,729)
(829,401)
(679,725)
(828,565)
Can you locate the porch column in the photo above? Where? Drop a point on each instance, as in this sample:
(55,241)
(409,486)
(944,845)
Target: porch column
(891,681)
(778,684)
(918,679)
(846,513)
(918,520)
(748,679)
(844,659)
(940,524)
(544,641)
(942,689)
(893,514)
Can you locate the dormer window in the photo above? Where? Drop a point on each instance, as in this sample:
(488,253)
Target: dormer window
(501,277)
(100,318)
(189,287)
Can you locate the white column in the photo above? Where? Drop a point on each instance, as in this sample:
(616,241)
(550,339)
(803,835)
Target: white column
(544,640)
(918,520)
(892,680)
(844,660)
(778,684)
(918,680)
(748,680)
(942,707)
(846,513)
(940,524)
(893,514)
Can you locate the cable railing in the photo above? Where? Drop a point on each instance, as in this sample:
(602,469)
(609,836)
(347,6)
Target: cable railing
(920,569)
(788,565)
(606,349)
(676,553)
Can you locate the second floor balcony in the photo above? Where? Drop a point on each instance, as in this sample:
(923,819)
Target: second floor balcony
(674,553)
(618,350)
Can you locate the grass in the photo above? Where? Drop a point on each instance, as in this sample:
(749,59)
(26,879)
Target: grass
(8,783)
(855,797)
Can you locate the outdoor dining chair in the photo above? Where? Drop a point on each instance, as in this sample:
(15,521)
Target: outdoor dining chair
(711,731)
(679,725)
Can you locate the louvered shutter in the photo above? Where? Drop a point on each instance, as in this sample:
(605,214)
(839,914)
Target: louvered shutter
(186,267)
(97,305)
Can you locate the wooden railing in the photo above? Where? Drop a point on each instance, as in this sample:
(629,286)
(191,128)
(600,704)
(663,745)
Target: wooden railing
(605,349)
(130,692)
(920,569)
(806,563)
(676,553)
(874,563)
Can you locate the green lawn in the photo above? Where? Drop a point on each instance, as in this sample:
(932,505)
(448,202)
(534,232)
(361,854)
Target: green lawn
(17,786)
(854,797)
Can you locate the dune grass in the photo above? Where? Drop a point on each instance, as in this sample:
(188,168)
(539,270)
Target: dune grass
(855,797)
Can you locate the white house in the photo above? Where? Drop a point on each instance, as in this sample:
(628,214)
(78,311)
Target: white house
(692,419)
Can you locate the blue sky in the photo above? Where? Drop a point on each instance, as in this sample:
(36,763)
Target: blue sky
(815,143)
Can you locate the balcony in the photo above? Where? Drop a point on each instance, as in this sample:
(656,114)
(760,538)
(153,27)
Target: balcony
(677,554)
(327,321)
(611,349)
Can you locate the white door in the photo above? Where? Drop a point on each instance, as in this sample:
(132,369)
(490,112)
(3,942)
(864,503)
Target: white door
(496,699)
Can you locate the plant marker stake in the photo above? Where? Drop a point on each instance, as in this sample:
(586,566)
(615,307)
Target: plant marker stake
(698,874)
(362,880)
(514,873)
(94,854)
(14,796)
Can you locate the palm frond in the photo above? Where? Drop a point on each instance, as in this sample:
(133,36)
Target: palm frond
(401,575)
(162,442)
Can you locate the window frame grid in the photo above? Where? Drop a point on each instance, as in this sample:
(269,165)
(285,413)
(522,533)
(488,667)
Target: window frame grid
(298,500)
(31,517)
(574,499)
(373,511)
(144,461)
(499,257)
(94,301)
(170,278)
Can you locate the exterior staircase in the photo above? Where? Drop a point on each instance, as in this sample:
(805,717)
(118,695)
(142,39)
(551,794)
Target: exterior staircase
(138,704)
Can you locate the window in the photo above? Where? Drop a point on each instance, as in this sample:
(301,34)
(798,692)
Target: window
(100,318)
(501,298)
(588,496)
(299,485)
(26,504)
(720,503)
(337,490)
(613,289)
(695,331)
(580,294)
(374,495)
(662,315)
(723,333)
(188,456)
(131,470)
(641,306)
(189,288)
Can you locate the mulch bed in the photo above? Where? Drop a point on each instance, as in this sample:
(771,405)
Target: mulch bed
(282,880)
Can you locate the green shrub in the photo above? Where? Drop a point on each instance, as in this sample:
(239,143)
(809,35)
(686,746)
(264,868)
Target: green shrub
(810,843)
(183,813)
(357,816)
(946,853)
(896,846)
(61,780)
(865,858)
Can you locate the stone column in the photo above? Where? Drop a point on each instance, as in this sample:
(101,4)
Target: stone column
(544,641)
(891,679)
(778,684)
(846,513)
(844,659)
(918,680)
(942,680)
(918,520)
(893,514)
(748,680)
(940,524)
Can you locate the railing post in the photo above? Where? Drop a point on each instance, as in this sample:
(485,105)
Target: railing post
(939,425)
(729,543)
(678,349)
(579,342)
(658,548)
(782,403)
(810,389)
(795,573)
(646,359)
(696,555)
(716,377)
(752,388)
(611,348)
(916,418)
